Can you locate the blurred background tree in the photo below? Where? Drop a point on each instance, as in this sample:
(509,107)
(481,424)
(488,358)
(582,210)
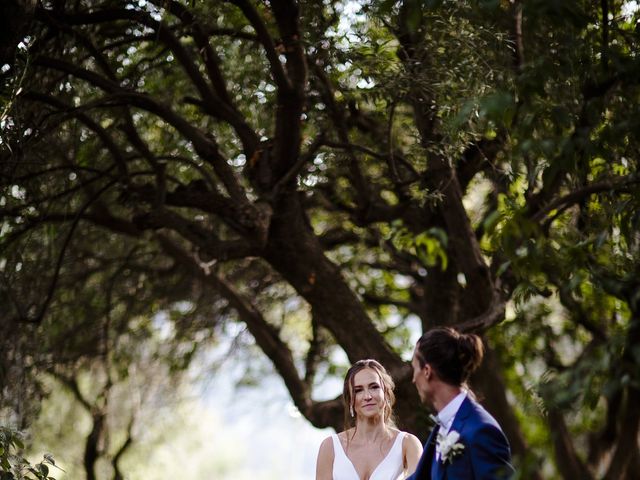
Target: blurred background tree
(318,179)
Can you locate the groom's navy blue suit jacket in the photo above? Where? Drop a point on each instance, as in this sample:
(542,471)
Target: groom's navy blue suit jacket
(486,454)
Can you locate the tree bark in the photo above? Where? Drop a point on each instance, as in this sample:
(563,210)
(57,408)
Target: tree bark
(296,253)
(491,389)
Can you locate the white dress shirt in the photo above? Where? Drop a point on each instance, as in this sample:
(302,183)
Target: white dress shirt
(446,416)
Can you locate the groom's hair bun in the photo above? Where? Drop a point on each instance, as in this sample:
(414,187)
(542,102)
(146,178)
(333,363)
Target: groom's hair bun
(453,355)
(470,352)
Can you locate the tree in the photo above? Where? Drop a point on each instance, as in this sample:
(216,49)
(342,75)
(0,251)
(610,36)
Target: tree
(324,177)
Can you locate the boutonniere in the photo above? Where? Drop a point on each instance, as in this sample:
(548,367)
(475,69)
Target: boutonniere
(449,446)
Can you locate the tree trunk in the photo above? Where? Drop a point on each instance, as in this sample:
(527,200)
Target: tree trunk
(92,449)
(295,252)
(491,389)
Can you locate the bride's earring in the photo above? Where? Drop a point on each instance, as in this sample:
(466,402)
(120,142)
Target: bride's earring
(351,410)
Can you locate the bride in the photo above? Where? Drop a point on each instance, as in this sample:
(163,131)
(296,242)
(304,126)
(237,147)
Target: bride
(370,448)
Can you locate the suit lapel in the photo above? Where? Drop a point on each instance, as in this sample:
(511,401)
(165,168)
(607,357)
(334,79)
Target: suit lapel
(431,451)
(461,415)
(441,470)
(423,470)
(458,423)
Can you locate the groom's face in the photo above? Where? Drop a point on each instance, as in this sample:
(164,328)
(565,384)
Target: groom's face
(420,379)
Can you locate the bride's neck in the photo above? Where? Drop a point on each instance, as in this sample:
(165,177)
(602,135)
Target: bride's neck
(371,430)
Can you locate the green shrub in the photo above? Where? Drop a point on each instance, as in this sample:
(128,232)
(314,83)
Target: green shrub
(13,466)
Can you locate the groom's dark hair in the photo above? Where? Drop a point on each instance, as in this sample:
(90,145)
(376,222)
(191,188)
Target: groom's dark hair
(453,355)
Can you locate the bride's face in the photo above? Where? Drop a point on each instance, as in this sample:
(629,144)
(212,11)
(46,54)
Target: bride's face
(368,394)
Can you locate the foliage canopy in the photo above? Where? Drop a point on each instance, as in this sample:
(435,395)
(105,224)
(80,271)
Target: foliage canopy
(325,173)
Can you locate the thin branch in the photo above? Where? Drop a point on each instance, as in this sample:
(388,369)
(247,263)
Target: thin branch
(206,240)
(117,474)
(265,335)
(193,164)
(577,312)
(234,117)
(381,156)
(518,42)
(206,147)
(391,164)
(302,161)
(315,353)
(72,384)
(361,184)
(231,32)
(604,58)
(337,236)
(577,196)
(52,287)
(277,70)
(586,122)
(57,196)
(215,105)
(378,300)
(76,112)
(493,315)
(568,460)
(246,221)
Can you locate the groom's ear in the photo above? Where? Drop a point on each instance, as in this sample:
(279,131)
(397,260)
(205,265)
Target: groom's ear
(427,371)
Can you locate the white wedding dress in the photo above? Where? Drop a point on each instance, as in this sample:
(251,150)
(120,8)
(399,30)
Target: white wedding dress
(390,468)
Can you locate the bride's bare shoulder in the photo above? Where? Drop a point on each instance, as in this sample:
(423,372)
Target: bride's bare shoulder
(346,434)
(411,442)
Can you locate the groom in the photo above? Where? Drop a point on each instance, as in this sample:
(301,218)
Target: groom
(467,442)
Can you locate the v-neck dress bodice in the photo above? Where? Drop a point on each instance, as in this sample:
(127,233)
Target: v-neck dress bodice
(390,468)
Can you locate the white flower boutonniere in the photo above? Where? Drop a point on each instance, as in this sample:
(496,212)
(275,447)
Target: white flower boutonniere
(449,446)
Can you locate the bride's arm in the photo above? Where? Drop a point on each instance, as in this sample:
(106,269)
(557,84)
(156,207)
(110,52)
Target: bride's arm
(411,452)
(324,464)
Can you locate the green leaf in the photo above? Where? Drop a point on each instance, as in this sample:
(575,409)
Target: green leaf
(430,247)
(432,4)
(601,239)
(575,280)
(386,6)
(561,11)
(489,4)
(440,234)
(44,470)
(498,107)
(491,221)
(462,117)
(503,268)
